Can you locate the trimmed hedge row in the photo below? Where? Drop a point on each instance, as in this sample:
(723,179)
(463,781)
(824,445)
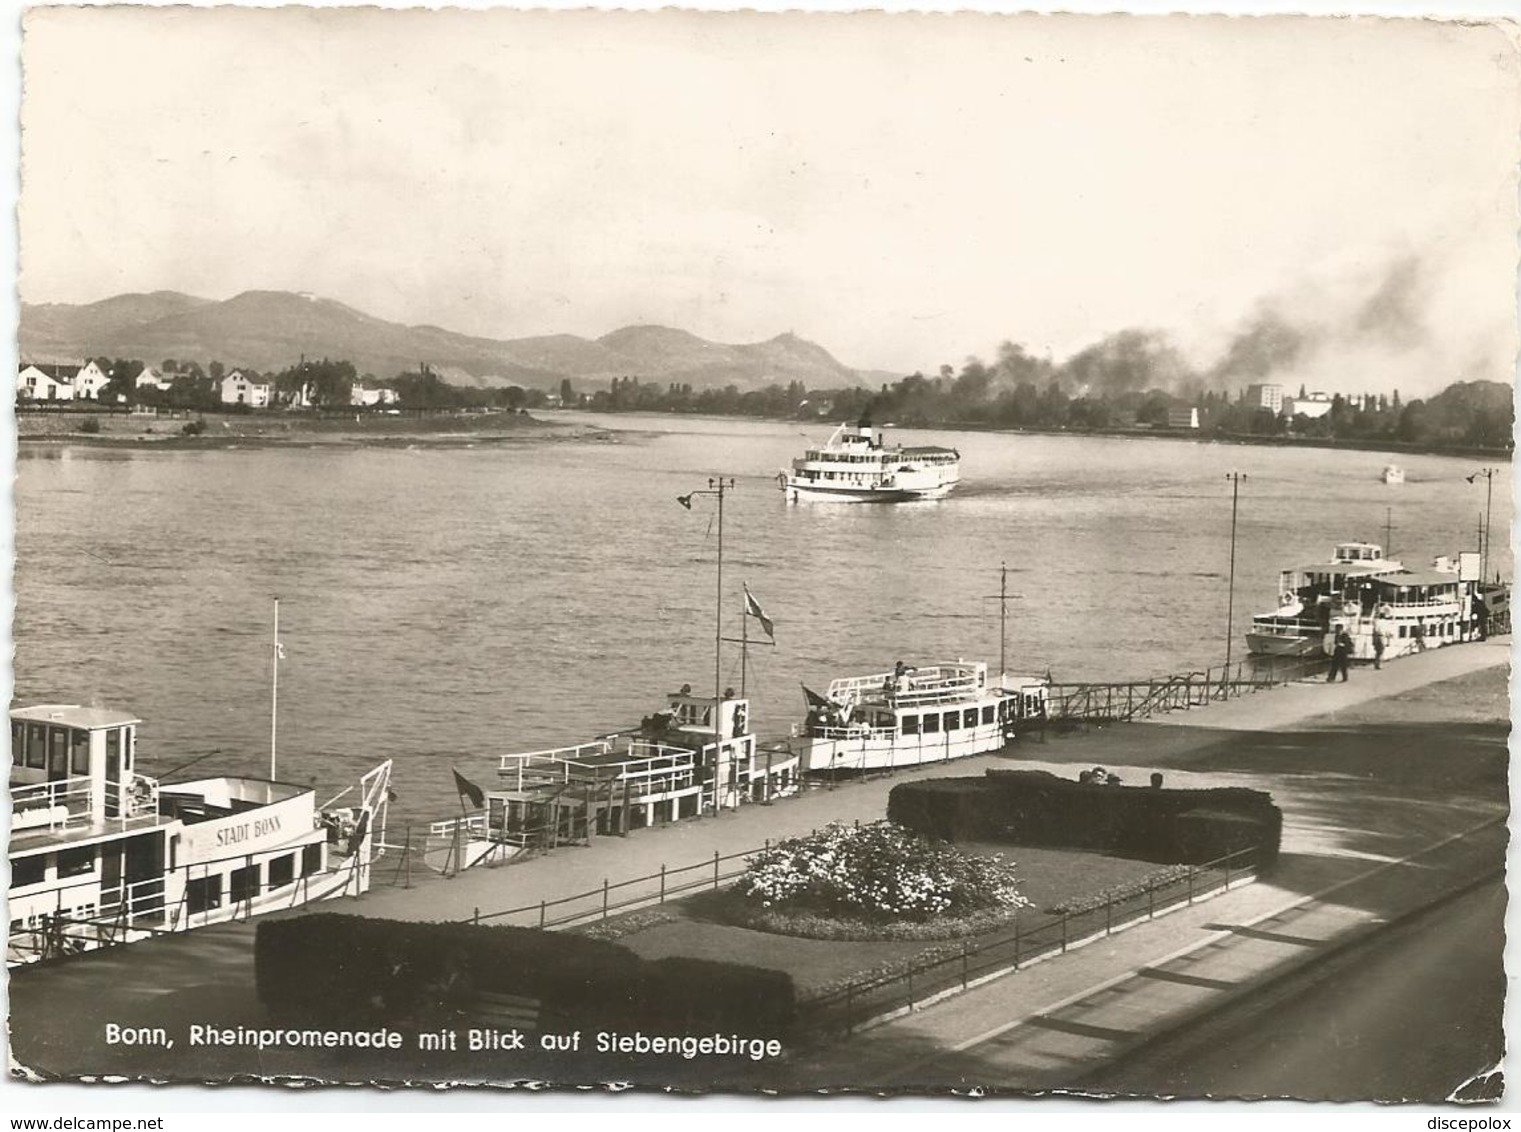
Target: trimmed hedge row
(1035,807)
(341,969)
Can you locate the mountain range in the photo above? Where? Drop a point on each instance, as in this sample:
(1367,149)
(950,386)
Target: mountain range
(273,330)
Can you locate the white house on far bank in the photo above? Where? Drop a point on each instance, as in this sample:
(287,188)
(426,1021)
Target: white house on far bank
(1313,406)
(42,382)
(150,376)
(89,381)
(360,396)
(238,389)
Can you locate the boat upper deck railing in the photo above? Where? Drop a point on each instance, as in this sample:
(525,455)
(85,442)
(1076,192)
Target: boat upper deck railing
(510,764)
(917,687)
(643,761)
(66,806)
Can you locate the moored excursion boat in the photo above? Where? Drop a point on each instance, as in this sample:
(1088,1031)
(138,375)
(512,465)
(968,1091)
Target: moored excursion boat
(1393,474)
(678,763)
(102,855)
(855,466)
(916,715)
(1365,593)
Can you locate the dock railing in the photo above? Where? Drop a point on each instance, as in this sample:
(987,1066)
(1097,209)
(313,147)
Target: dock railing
(1136,699)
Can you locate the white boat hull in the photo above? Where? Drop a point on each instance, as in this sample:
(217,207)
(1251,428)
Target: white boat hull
(1282,644)
(800,492)
(880,751)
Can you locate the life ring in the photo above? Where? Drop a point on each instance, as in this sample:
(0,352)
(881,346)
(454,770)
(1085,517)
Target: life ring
(1288,598)
(1384,611)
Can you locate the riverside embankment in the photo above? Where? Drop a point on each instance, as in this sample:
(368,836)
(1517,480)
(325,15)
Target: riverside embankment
(1371,775)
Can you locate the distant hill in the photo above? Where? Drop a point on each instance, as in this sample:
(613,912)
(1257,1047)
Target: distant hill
(271,330)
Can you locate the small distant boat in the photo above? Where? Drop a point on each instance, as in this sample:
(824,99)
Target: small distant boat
(1393,473)
(855,466)
(102,855)
(916,715)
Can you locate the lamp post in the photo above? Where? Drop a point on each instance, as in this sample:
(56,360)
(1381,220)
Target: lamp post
(717,486)
(1489,495)
(1230,600)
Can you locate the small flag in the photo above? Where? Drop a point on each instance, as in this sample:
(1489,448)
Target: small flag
(279,650)
(361,831)
(468,789)
(814,699)
(752,607)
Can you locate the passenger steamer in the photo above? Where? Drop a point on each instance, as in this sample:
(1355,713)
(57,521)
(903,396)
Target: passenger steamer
(916,715)
(1362,591)
(855,466)
(677,764)
(103,855)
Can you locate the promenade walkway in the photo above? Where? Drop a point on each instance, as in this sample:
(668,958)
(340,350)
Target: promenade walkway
(1133,750)
(1393,787)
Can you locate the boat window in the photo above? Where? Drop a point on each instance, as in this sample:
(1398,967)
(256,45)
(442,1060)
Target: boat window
(28,870)
(910,725)
(76,862)
(969,717)
(36,746)
(987,714)
(18,742)
(79,758)
(245,883)
(952,721)
(931,723)
(282,870)
(204,893)
(311,860)
(58,752)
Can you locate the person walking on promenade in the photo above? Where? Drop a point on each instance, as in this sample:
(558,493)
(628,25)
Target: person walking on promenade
(1378,646)
(1341,655)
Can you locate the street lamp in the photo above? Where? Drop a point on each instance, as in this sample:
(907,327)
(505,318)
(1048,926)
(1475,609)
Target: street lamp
(1489,495)
(1230,600)
(717,486)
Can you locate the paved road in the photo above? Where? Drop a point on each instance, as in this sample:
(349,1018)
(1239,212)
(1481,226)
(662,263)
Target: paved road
(1337,1032)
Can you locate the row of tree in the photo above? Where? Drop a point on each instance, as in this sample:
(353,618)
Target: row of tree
(1470,414)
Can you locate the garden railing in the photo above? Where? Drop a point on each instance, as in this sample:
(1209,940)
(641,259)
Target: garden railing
(842,1010)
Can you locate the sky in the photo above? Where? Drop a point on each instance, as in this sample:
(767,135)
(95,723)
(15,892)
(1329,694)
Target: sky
(905,190)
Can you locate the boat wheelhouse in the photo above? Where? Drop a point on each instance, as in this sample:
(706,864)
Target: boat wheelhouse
(101,854)
(855,466)
(679,763)
(916,715)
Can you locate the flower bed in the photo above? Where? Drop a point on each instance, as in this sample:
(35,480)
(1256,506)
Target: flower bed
(843,881)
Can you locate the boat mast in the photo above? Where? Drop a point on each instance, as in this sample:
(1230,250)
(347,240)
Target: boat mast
(717,485)
(1003,618)
(274,689)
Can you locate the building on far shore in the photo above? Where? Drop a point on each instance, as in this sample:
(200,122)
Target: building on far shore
(41,381)
(1265,397)
(1312,405)
(1182,418)
(359,396)
(239,389)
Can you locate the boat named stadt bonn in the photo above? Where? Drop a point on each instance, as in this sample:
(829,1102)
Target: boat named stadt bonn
(102,855)
(917,715)
(855,466)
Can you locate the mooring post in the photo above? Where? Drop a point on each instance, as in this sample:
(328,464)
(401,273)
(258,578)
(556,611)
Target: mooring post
(662,883)
(604,898)
(477,918)
(715,870)
(543,906)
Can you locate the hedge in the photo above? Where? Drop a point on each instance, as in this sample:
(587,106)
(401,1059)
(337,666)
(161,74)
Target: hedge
(343,969)
(1032,807)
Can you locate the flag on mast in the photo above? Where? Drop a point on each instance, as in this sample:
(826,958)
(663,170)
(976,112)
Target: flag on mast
(753,609)
(468,789)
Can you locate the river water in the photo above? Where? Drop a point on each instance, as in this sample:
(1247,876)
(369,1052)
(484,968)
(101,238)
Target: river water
(446,604)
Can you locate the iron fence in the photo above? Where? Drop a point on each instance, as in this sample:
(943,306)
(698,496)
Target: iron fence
(846,1009)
